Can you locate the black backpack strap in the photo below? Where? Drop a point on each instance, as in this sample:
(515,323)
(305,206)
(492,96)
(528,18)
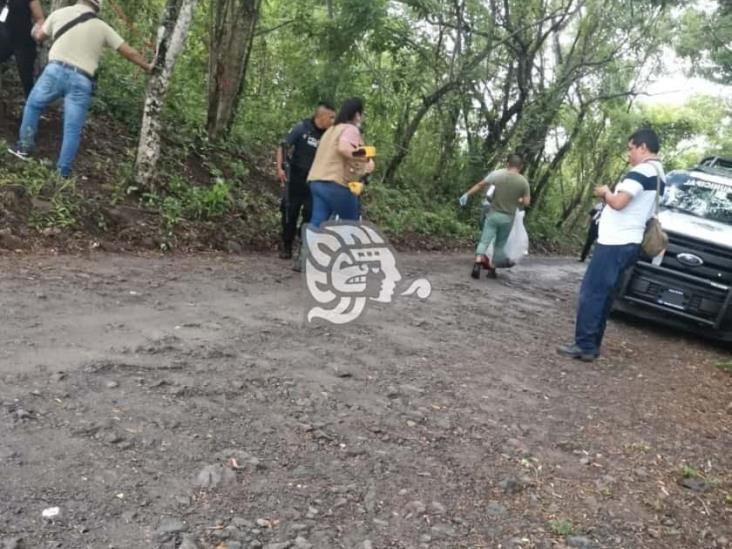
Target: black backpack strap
(71,24)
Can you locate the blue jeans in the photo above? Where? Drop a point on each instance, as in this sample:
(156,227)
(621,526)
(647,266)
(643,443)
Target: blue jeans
(599,286)
(56,82)
(331,198)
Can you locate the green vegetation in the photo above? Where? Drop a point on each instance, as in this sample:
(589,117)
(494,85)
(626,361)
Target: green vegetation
(561,527)
(450,89)
(690,472)
(52,201)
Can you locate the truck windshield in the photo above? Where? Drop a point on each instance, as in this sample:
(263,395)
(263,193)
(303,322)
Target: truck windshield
(700,198)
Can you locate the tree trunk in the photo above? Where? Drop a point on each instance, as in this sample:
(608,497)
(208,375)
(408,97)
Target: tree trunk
(232,31)
(172,34)
(442,183)
(402,145)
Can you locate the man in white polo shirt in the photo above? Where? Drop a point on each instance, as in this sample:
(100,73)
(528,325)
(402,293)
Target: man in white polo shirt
(622,225)
(79,38)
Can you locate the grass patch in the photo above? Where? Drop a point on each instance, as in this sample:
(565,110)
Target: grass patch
(561,527)
(45,187)
(690,472)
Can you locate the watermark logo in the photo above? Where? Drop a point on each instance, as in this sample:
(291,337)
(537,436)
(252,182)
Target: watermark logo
(349,264)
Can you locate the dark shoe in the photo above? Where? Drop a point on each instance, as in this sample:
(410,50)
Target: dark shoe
(475,273)
(19,153)
(486,264)
(573,351)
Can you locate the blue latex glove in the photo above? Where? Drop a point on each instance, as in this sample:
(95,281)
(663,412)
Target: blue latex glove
(463,200)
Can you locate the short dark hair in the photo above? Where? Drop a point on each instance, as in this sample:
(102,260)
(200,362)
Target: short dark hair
(647,137)
(515,161)
(325,105)
(349,109)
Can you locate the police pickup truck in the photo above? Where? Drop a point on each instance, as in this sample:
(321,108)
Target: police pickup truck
(690,287)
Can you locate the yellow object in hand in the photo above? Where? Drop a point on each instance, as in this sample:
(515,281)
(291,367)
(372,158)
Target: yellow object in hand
(356,187)
(367,151)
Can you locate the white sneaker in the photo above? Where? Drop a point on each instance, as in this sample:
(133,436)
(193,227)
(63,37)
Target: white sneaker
(18,153)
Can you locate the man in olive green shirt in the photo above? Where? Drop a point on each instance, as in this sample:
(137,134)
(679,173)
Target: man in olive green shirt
(70,74)
(511,192)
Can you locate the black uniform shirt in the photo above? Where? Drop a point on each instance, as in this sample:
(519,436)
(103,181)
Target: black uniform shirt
(304,139)
(19,22)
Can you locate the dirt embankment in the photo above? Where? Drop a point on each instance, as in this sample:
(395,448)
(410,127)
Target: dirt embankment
(100,208)
(181,402)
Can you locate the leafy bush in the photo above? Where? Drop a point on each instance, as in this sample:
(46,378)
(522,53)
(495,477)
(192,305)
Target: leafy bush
(184,201)
(400,211)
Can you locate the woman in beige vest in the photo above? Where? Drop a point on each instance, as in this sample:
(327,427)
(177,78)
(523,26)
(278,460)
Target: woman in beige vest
(335,165)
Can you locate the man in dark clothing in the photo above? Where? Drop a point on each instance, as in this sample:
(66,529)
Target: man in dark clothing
(592,230)
(16,21)
(294,157)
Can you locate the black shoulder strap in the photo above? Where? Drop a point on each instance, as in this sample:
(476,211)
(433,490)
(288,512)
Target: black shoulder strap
(71,24)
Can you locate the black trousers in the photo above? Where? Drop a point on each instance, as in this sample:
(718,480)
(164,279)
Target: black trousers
(591,237)
(295,201)
(25,58)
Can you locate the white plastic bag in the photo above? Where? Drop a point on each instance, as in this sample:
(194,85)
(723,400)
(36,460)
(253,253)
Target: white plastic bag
(517,245)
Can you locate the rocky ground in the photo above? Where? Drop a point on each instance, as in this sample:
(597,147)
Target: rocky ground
(181,402)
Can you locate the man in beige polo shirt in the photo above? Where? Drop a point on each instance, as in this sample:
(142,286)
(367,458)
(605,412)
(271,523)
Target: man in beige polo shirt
(79,38)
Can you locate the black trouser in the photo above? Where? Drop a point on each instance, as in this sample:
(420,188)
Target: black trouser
(296,200)
(591,237)
(25,58)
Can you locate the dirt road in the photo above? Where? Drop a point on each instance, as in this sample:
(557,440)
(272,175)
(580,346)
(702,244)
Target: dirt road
(181,402)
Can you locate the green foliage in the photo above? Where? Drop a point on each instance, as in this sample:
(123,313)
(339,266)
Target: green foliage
(181,201)
(121,85)
(196,203)
(34,176)
(55,200)
(120,88)
(561,527)
(704,38)
(453,91)
(400,211)
(690,472)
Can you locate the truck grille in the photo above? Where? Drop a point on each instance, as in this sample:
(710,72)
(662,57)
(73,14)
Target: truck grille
(717,266)
(678,294)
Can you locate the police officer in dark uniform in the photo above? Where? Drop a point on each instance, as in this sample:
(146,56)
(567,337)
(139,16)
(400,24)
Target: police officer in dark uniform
(16,21)
(294,157)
